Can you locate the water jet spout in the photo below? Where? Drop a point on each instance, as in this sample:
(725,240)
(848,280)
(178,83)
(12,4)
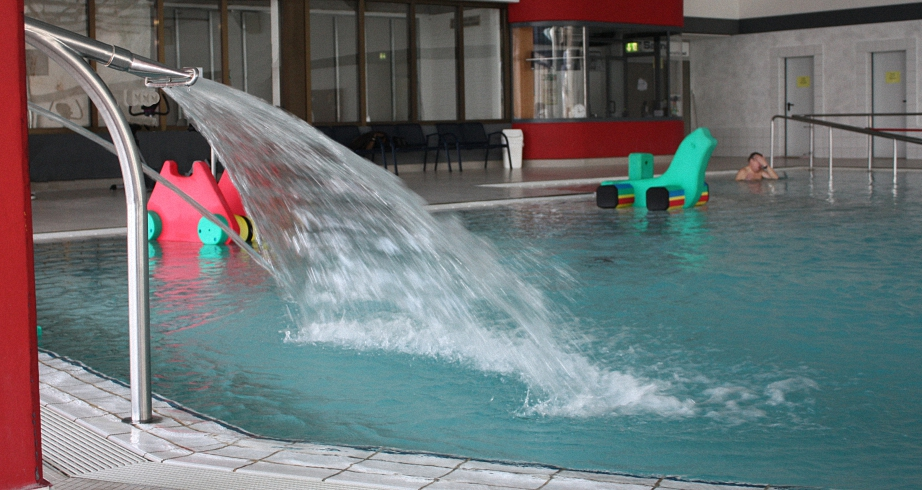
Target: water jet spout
(115,57)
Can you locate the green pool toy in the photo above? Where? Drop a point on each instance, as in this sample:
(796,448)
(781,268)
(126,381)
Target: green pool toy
(681,185)
(154,225)
(210,233)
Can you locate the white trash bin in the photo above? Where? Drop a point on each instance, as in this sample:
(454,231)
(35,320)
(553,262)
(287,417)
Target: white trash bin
(516,143)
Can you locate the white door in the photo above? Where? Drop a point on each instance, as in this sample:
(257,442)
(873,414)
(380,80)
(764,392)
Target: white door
(798,97)
(888,89)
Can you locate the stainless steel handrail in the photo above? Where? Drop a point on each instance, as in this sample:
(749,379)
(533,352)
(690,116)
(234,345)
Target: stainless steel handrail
(69,50)
(129,160)
(861,114)
(871,133)
(869,115)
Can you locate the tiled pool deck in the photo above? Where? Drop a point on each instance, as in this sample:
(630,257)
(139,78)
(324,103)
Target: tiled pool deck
(87,446)
(85,441)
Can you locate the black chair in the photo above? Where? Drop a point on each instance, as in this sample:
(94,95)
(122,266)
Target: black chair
(410,137)
(472,136)
(366,145)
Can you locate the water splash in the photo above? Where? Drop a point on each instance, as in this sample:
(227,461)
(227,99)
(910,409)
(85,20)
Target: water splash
(370,268)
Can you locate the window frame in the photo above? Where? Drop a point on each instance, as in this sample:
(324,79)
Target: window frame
(661,54)
(158,33)
(412,60)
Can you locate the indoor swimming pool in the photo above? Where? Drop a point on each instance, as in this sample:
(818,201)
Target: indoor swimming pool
(772,336)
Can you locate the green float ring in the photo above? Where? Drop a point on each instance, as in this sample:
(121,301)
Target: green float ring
(210,233)
(154,225)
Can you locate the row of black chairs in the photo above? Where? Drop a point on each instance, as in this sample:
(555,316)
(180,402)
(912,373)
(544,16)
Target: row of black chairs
(408,137)
(472,136)
(352,137)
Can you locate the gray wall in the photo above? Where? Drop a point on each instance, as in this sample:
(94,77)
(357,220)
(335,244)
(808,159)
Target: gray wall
(737,82)
(69,156)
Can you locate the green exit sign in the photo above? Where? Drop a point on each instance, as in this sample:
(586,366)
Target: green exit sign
(631,47)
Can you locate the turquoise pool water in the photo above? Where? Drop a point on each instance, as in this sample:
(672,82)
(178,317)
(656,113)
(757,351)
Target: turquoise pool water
(779,326)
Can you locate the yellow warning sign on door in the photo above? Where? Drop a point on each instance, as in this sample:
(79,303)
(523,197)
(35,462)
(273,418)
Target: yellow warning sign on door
(803,82)
(892,77)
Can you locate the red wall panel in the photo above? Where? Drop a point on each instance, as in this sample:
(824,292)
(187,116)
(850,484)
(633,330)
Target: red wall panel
(659,13)
(602,139)
(20,436)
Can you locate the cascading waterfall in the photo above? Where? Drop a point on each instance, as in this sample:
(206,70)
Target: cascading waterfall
(370,268)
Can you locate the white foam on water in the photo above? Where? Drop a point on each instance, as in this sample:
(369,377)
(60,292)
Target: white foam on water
(370,268)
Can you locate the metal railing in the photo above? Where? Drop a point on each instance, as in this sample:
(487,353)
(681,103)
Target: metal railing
(71,51)
(869,131)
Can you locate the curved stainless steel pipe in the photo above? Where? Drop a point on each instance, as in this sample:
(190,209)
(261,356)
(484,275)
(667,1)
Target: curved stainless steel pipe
(112,56)
(130,161)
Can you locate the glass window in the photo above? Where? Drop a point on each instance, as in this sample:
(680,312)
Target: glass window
(129,24)
(559,82)
(192,37)
(678,64)
(387,78)
(250,48)
(436,62)
(572,72)
(47,84)
(605,74)
(483,65)
(334,61)
(643,89)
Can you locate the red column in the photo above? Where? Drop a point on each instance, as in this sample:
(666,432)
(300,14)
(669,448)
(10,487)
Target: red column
(20,434)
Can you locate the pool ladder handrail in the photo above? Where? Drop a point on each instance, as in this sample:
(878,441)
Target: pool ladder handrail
(869,131)
(71,51)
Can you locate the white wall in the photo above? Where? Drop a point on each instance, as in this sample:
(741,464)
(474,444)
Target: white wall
(767,8)
(737,82)
(714,9)
(743,9)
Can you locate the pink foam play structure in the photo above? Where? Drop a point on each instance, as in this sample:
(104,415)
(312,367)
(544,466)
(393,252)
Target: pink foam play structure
(180,220)
(231,195)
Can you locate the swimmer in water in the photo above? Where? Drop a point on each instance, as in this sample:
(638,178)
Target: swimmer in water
(756,169)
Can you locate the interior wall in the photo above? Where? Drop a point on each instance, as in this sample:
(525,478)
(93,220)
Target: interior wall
(768,8)
(737,82)
(712,9)
(743,9)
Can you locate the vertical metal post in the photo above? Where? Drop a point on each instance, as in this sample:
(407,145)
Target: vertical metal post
(812,145)
(870,144)
(393,67)
(336,67)
(243,51)
(771,149)
(894,161)
(176,35)
(586,69)
(830,153)
(210,43)
(276,52)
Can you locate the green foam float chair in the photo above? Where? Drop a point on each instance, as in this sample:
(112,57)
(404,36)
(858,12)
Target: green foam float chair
(686,172)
